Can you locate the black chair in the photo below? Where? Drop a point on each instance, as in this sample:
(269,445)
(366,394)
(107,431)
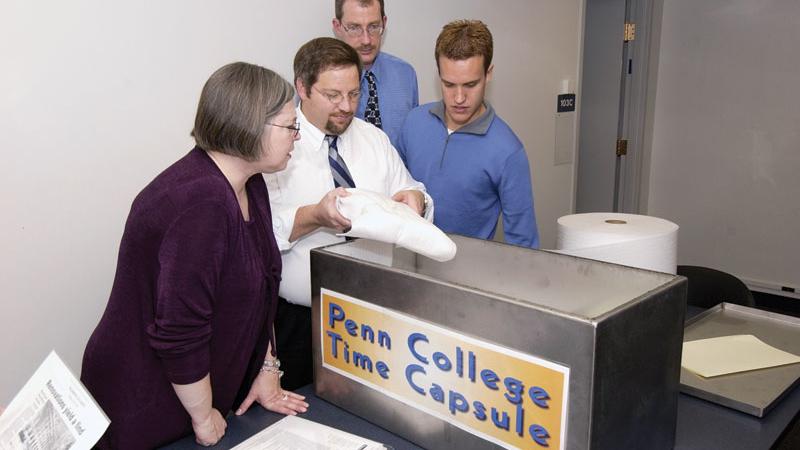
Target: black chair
(710,287)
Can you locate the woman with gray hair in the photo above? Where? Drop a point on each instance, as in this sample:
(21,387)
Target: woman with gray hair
(188,330)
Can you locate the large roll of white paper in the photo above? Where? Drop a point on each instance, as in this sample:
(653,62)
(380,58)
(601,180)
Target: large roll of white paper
(628,239)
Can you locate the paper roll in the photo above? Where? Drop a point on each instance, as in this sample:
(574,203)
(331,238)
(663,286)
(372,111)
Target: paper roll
(632,240)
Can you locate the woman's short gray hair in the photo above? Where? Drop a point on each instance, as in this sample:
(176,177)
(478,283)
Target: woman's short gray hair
(237,101)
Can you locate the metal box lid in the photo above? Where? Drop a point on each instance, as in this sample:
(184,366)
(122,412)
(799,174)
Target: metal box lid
(570,285)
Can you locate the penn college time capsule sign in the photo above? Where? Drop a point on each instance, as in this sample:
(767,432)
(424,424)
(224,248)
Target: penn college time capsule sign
(501,347)
(504,396)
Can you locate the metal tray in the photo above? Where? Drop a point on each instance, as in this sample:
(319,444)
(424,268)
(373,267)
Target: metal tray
(757,391)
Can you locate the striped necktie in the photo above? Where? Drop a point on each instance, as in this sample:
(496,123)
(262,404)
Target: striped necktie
(372,113)
(341,176)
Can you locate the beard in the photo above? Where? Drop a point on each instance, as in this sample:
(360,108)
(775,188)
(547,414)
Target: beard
(334,128)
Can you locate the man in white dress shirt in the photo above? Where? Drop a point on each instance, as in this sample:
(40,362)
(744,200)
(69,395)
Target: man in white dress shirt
(335,151)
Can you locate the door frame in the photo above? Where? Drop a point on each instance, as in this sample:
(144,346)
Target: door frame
(635,108)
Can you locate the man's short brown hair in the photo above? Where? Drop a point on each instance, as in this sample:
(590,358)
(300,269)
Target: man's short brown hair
(319,55)
(338,7)
(463,39)
(237,101)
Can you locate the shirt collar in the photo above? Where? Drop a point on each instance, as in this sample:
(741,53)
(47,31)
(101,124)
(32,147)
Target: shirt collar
(376,68)
(313,135)
(477,126)
(308,131)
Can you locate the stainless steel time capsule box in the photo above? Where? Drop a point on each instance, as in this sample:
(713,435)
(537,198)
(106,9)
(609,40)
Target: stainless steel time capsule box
(618,330)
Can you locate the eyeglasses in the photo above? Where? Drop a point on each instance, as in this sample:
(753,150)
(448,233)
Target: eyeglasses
(358,30)
(295,128)
(337,98)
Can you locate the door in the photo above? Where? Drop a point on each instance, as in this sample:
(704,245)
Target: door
(614,80)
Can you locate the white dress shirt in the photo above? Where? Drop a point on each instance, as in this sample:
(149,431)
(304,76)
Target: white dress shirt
(374,165)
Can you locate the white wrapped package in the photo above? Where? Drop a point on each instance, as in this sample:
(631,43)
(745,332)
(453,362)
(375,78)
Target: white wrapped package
(376,216)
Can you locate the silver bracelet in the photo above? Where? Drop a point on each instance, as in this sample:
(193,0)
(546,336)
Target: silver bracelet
(272,366)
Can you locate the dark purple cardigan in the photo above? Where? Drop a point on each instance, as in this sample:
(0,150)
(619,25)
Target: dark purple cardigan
(195,293)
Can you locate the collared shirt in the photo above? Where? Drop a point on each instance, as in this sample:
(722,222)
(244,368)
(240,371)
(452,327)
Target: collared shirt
(474,173)
(398,92)
(374,165)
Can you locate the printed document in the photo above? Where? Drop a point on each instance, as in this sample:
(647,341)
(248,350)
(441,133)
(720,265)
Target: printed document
(53,411)
(294,433)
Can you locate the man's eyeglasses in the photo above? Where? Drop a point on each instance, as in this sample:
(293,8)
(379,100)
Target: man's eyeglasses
(337,98)
(358,30)
(295,128)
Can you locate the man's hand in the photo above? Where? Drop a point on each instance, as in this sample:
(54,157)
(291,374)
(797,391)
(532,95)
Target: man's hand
(323,214)
(413,198)
(326,215)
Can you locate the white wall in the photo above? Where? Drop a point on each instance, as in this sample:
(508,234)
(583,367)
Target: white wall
(97,97)
(726,136)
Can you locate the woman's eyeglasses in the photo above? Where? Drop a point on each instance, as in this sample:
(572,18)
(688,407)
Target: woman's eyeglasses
(295,128)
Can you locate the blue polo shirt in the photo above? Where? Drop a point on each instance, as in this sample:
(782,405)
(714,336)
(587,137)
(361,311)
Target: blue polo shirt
(474,174)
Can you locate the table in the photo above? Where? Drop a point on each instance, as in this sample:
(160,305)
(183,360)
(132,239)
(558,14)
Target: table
(705,425)
(257,418)
(701,425)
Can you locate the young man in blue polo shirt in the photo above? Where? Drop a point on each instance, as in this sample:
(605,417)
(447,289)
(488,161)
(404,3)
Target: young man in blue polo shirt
(388,84)
(471,162)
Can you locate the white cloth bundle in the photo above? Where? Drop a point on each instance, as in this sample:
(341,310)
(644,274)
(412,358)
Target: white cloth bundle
(628,239)
(376,216)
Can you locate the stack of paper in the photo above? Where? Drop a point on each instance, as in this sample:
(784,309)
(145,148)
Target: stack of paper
(732,354)
(294,433)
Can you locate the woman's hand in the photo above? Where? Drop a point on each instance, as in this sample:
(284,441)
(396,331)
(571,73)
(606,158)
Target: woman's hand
(210,430)
(207,423)
(266,390)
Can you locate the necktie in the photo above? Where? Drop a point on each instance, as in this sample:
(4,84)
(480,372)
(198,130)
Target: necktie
(341,176)
(372,113)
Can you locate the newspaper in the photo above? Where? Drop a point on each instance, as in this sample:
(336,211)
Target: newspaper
(294,433)
(53,411)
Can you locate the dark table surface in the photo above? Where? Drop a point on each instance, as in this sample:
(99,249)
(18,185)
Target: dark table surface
(320,411)
(701,425)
